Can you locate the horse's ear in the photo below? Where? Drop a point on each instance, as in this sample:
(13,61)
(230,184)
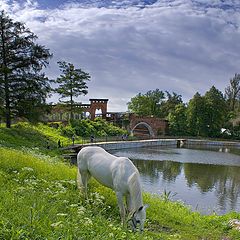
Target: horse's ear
(145,206)
(140,208)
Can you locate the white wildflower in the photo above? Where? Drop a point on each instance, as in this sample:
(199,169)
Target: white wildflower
(27,169)
(81,210)
(88,221)
(57,224)
(73,205)
(62,214)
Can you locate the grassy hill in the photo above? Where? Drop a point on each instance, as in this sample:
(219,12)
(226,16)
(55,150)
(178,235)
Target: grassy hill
(39,199)
(32,136)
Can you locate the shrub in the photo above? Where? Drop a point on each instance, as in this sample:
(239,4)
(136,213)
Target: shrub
(99,127)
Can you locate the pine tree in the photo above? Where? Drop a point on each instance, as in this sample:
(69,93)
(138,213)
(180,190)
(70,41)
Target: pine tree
(72,83)
(23,86)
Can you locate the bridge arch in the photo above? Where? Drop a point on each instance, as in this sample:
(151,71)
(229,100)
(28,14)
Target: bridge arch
(145,125)
(153,126)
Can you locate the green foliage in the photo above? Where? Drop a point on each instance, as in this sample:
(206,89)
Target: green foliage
(196,116)
(153,103)
(168,106)
(216,111)
(99,128)
(23,87)
(68,130)
(147,104)
(232,93)
(72,83)
(177,121)
(208,114)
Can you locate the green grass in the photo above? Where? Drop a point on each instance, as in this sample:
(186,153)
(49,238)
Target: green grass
(25,135)
(40,200)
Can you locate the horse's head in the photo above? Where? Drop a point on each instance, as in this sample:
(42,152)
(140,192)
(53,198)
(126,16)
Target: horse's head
(139,217)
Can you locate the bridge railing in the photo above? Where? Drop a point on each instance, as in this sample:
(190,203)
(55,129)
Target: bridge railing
(113,139)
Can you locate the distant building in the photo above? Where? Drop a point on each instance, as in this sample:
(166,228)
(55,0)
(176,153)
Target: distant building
(61,112)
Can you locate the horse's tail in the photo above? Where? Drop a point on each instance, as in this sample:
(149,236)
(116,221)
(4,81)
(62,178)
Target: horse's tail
(135,191)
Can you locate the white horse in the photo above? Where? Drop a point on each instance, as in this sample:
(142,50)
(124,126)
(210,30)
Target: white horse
(117,173)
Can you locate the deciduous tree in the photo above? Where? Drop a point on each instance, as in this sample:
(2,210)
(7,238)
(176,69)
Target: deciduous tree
(216,111)
(169,104)
(147,104)
(177,120)
(232,93)
(196,116)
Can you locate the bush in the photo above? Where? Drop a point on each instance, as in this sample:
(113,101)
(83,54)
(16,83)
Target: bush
(67,131)
(99,128)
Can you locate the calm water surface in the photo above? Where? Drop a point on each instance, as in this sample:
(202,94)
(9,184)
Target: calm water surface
(206,179)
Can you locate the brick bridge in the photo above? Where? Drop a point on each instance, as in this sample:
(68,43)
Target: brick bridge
(147,126)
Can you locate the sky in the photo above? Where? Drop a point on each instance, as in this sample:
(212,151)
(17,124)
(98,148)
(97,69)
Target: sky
(133,46)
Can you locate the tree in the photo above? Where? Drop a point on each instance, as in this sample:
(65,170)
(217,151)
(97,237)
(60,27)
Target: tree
(23,86)
(232,93)
(177,120)
(147,104)
(72,83)
(216,111)
(168,106)
(196,116)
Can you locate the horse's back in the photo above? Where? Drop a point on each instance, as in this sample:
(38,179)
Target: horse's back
(94,154)
(98,163)
(108,169)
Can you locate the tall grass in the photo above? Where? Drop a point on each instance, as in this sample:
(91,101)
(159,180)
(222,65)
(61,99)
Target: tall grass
(39,200)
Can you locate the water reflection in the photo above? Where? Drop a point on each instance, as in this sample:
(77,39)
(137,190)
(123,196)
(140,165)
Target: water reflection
(211,185)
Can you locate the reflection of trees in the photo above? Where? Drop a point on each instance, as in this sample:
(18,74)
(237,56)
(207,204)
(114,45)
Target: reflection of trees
(155,169)
(229,189)
(203,174)
(226,181)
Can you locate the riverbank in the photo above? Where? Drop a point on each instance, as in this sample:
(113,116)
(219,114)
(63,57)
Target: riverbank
(115,145)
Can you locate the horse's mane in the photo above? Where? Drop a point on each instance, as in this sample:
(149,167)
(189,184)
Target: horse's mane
(135,191)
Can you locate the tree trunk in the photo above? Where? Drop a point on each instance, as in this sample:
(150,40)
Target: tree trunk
(7,107)
(71,106)
(6,85)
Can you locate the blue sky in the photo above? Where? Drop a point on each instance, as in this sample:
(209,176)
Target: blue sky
(134,46)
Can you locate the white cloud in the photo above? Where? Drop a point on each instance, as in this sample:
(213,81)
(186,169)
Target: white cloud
(183,46)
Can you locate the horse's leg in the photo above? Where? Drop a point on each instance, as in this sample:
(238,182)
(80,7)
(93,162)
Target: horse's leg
(121,207)
(85,177)
(129,203)
(79,180)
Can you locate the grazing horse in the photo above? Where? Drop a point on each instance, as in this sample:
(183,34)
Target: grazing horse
(117,173)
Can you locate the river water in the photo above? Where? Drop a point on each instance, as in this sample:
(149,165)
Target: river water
(208,180)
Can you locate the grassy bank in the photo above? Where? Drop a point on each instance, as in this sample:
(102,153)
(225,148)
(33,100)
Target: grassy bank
(37,137)
(39,200)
